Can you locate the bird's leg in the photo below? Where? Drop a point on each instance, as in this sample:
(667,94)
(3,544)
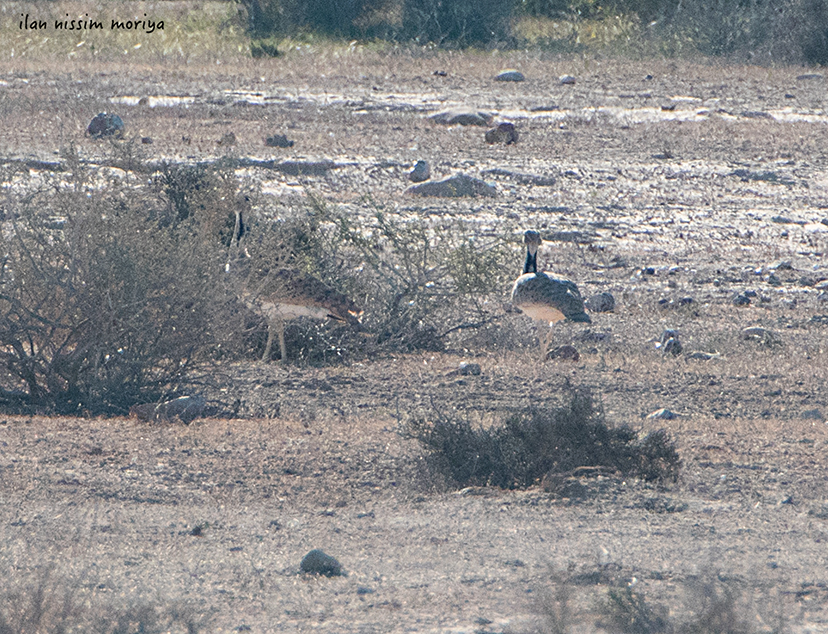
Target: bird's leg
(282,346)
(269,345)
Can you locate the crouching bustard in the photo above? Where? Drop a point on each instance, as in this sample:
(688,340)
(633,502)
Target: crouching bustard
(544,298)
(284,294)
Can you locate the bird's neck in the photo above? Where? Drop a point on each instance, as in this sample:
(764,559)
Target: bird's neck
(531,264)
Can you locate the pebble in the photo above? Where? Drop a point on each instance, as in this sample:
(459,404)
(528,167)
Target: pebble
(105,124)
(469,369)
(757,333)
(278,140)
(420,173)
(317,562)
(504,133)
(566,353)
(662,414)
(566,80)
(600,303)
(510,75)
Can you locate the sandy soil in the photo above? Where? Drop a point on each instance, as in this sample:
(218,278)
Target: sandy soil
(712,195)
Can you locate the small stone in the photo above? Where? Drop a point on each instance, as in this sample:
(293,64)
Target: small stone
(316,562)
(504,133)
(565,353)
(782,265)
(227,139)
(104,124)
(662,414)
(813,414)
(363,590)
(601,303)
(146,140)
(420,173)
(469,369)
(740,300)
(566,80)
(669,342)
(762,335)
(278,140)
(685,301)
(773,280)
(510,75)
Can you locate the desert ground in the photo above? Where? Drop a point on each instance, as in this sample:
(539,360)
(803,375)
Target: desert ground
(661,181)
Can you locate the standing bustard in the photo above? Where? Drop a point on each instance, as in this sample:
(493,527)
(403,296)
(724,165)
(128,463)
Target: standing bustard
(544,298)
(285,294)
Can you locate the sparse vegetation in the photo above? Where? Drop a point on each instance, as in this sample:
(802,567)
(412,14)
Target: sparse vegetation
(48,605)
(533,443)
(706,604)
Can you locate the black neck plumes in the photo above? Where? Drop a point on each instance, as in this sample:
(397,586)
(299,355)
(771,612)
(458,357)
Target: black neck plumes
(531,264)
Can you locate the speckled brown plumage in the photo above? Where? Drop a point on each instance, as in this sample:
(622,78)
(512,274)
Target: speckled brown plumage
(545,298)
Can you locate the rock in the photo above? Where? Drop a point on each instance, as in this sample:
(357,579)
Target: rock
(773,280)
(740,300)
(458,186)
(662,414)
(669,342)
(566,80)
(702,356)
(146,140)
(185,408)
(278,140)
(504,133)
(316,562)
(104,124)
(566,353)
(600,303)
(510,75)
(782,265)
(762,335)
(420,173)
(462,117)
(813,414)
(227,139)
(469,369)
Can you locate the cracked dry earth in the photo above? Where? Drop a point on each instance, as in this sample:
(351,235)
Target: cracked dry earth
(723,194)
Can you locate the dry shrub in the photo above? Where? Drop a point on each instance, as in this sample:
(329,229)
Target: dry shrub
(533,443)
(422,282)
(48,605)
(101,305)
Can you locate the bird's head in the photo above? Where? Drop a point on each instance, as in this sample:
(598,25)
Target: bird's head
(532,240)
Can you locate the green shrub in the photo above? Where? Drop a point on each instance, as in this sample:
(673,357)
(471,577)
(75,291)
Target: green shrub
(533,443)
